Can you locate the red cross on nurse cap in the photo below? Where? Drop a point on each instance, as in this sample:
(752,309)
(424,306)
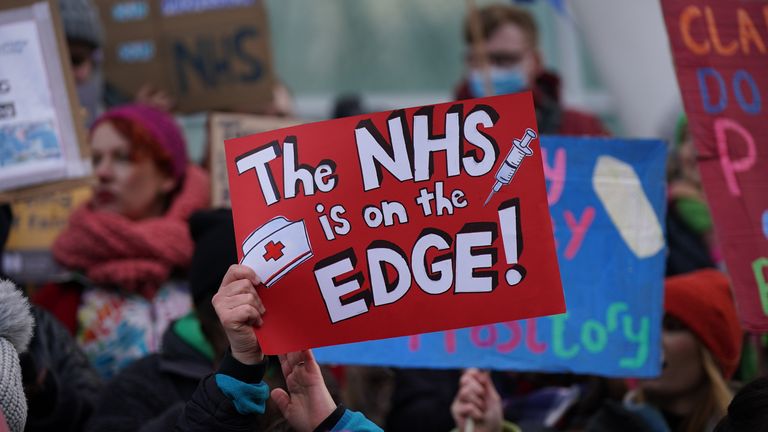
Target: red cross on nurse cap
(269,264)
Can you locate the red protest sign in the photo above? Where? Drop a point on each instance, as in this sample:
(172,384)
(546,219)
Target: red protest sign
(375,226)
(721,59)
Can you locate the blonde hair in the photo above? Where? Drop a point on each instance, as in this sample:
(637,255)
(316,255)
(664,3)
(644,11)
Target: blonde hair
(714,401)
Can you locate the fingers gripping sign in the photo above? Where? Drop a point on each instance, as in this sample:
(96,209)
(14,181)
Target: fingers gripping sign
(240,310)
(477,403)
(307,402)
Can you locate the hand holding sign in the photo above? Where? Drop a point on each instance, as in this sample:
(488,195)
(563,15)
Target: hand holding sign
(307,402)
(240,309)
(477,402)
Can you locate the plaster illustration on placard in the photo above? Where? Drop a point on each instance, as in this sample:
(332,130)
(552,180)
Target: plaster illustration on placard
(621,192)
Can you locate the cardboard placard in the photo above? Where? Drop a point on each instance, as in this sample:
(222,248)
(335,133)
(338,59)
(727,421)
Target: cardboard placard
(41,128)
(37,221)
(357,226)
(721,61)
(607,206)
(207,55)
(224,126)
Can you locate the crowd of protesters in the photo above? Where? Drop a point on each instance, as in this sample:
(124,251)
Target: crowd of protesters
(155,334)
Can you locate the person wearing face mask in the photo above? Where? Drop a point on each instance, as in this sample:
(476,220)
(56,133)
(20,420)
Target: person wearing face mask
(129,245)
(510,39)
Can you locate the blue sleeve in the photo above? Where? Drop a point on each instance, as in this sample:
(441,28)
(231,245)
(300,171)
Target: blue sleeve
(247,398)
(353,421)
(242,384)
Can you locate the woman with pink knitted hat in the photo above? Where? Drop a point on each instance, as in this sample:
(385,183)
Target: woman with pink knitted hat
(130,239)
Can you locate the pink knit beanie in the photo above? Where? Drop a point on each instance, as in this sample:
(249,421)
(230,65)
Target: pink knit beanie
(160,125)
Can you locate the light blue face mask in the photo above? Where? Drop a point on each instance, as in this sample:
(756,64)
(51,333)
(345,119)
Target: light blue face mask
(504,81)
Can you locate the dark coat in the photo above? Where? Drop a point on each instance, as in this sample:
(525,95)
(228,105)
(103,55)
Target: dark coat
(150,394)
(210,410)
(615,417)
(420,391)
(422,399)
(60,383)
(687,250)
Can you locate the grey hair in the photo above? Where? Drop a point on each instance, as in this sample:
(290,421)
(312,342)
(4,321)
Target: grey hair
(16,322)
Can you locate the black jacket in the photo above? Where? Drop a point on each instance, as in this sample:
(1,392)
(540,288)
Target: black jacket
(615,417)
(422,399)
(60,383)
(210,410)
(687,251)
(150,394)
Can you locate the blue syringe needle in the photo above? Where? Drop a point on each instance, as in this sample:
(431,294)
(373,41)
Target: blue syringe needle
(489,197)
(494,189)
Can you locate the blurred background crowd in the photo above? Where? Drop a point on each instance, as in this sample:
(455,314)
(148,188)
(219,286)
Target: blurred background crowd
(124,329)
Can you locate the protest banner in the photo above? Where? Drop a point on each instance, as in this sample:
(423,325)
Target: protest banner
(359,225)
(224,126)
(37,221)
(209,55)
(606,201)
(720,55)
(41,131)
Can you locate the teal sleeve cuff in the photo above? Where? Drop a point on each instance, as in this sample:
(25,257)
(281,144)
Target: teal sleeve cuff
(247,398)
(355,421)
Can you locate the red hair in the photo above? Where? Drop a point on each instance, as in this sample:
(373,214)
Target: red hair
(143,145)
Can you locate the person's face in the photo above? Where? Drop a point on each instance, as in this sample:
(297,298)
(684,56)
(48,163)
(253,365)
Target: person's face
(508,48)
(683,369)
(129,185)
(81,57)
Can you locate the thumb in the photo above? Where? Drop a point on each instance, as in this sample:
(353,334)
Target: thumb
(282,400)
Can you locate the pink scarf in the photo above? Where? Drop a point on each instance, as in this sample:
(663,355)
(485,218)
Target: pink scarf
(137,256)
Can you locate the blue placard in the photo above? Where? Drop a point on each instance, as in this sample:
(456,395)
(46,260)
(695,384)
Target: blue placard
(607,202)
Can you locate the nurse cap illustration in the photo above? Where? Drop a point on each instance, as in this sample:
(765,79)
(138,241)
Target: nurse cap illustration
(276,248)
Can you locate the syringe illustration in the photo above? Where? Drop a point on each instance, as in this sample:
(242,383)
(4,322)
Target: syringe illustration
(512,162)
